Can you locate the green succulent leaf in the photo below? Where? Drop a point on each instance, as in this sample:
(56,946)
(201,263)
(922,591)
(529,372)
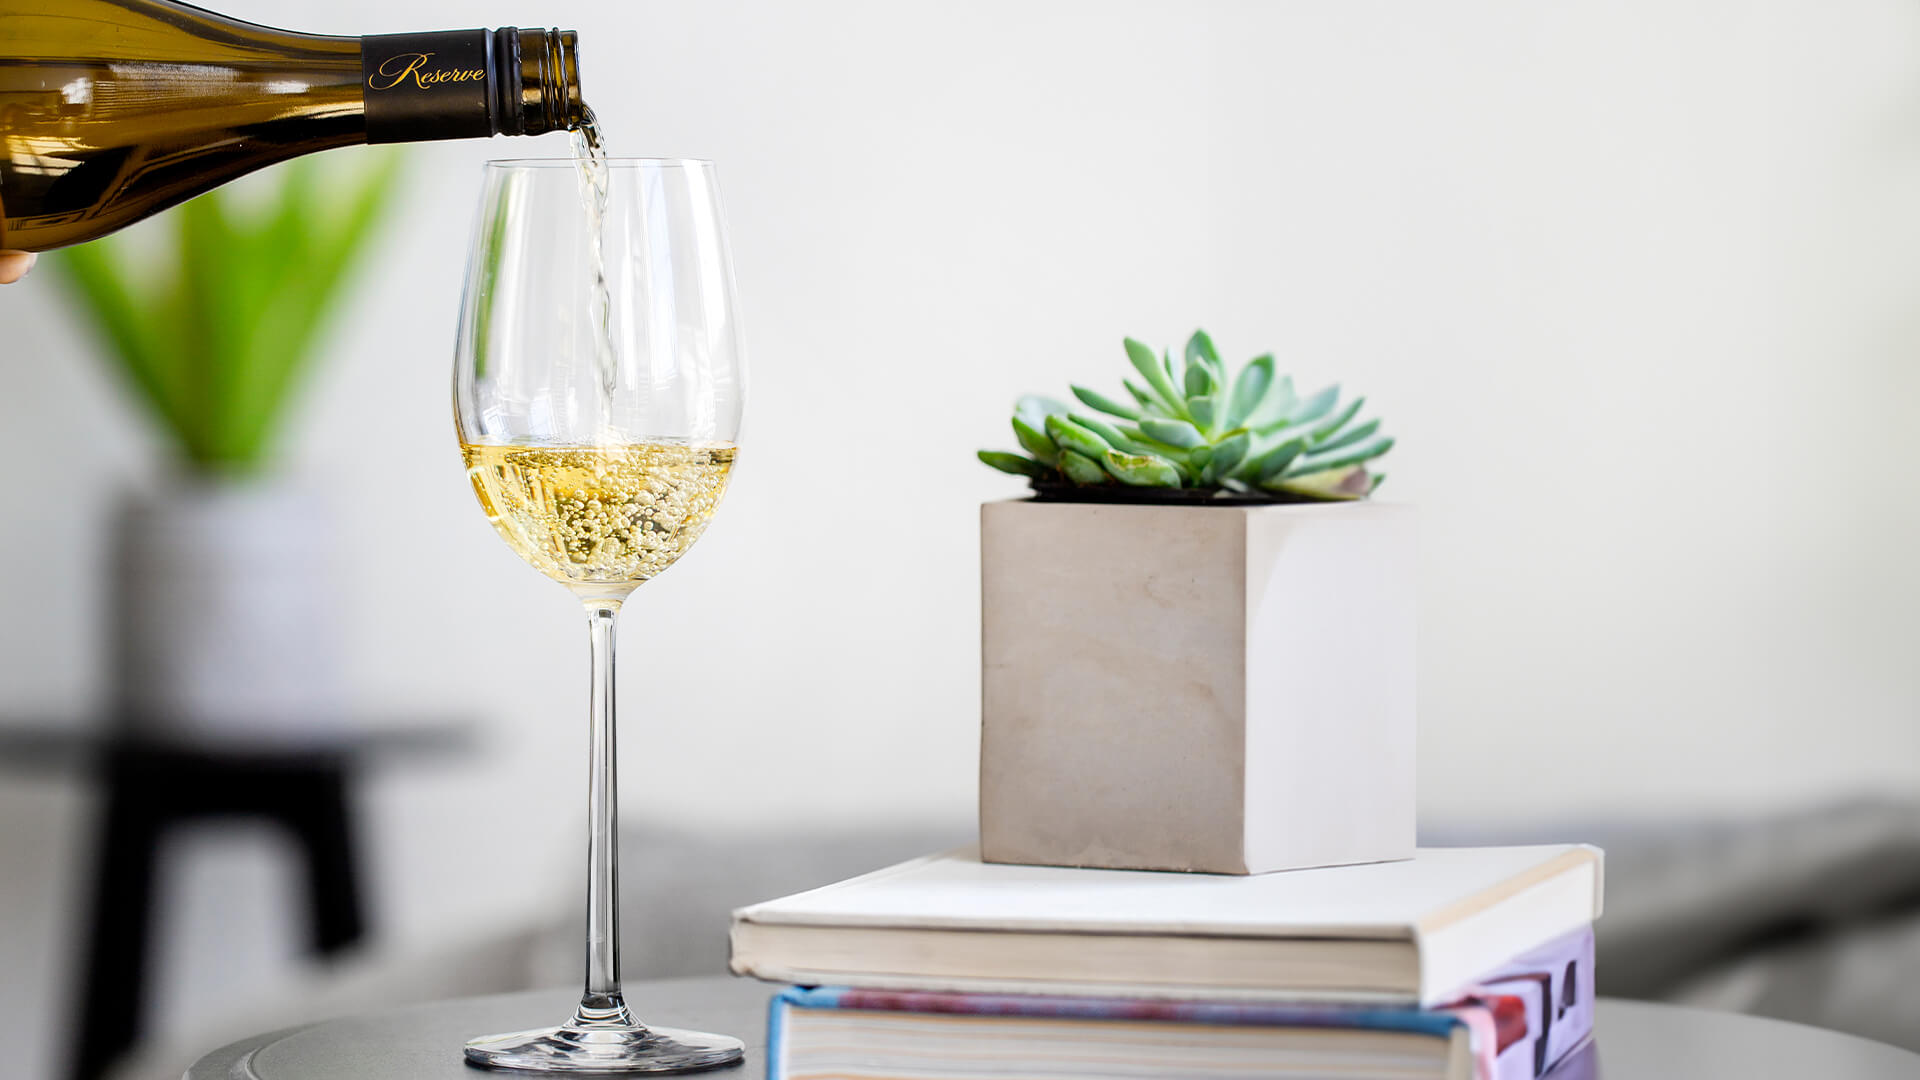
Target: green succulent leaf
(1228,452)
(1347,437)
(1150,368)
(1294,420)
(1093,399)
(1129,439)
(1147,401)
(1141,470)
(1340,460)
(1203,409)
(1325,430)
(1199,382)
(1034,441)
(1249,390)
(1013,463)
(1378,479)
(1068,435)
(1268,463)
(1082,469)
(1199,458)
(1315,407)
(1278,403)
(1331,485)
(1139,442)
(1173,432)
(1200,350)
(110,293)
(1109,432)
(1035,408)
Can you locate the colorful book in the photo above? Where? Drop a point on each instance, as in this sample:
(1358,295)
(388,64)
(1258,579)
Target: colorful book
(1515,1023)
(1397,933)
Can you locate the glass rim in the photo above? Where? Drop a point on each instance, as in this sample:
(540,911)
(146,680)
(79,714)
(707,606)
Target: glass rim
(612,163)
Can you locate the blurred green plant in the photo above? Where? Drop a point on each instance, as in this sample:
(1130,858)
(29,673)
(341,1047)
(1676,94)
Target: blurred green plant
(1193,427)
(214,329)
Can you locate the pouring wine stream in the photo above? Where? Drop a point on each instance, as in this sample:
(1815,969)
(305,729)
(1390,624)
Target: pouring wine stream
(590,158)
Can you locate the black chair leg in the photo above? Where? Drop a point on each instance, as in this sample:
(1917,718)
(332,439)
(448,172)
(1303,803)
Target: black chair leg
(323,824)
(114,973)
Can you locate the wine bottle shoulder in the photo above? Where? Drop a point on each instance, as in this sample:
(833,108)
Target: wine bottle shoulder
(155,32)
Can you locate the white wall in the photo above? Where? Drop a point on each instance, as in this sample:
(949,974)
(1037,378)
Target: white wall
(1635,283)
(1631,282)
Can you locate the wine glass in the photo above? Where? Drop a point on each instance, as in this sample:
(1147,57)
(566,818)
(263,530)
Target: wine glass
(597,415)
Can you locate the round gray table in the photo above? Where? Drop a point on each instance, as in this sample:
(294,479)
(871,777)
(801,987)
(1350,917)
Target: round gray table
(1634,1039)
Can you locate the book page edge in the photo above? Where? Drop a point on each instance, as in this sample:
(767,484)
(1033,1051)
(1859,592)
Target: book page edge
(1576,855)
(1064,988)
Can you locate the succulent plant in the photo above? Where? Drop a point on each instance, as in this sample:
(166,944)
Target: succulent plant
(1192,427)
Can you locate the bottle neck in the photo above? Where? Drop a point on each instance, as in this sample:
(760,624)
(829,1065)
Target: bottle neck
(460,84)
(539,80)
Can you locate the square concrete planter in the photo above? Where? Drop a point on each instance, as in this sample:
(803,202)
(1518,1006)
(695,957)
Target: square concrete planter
(1219,689)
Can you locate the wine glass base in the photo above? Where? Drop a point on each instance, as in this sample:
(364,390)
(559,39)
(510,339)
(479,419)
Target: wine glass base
(597,1049)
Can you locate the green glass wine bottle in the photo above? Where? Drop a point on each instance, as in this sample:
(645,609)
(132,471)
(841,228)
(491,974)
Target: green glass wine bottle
(112,110)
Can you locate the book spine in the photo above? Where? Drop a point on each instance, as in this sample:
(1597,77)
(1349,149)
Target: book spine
(1532,1012)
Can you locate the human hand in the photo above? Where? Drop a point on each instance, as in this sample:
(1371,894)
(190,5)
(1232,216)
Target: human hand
(14,265)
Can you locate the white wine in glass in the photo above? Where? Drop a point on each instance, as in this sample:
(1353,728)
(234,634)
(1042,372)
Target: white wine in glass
(600,516)
(598,388)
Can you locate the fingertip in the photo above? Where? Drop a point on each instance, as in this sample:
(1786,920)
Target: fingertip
(15,264)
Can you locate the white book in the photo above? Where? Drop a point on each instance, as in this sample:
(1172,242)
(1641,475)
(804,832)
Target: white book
(1404,932)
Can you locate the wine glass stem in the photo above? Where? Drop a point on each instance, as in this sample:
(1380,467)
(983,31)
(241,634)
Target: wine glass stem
(601,1004)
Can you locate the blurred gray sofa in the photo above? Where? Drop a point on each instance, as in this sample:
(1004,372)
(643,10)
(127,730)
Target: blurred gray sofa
(1812,917)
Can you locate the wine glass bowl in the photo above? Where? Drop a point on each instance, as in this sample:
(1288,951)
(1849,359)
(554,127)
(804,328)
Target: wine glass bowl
(530,366)
(600,519)
(598,389)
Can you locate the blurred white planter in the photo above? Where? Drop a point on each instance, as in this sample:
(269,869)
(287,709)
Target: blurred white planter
(1222,689)
(224,613)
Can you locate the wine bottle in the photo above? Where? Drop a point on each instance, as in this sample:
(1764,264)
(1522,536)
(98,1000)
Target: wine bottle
(112,110)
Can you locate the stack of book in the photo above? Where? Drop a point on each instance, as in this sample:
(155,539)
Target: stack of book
(1462,963)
